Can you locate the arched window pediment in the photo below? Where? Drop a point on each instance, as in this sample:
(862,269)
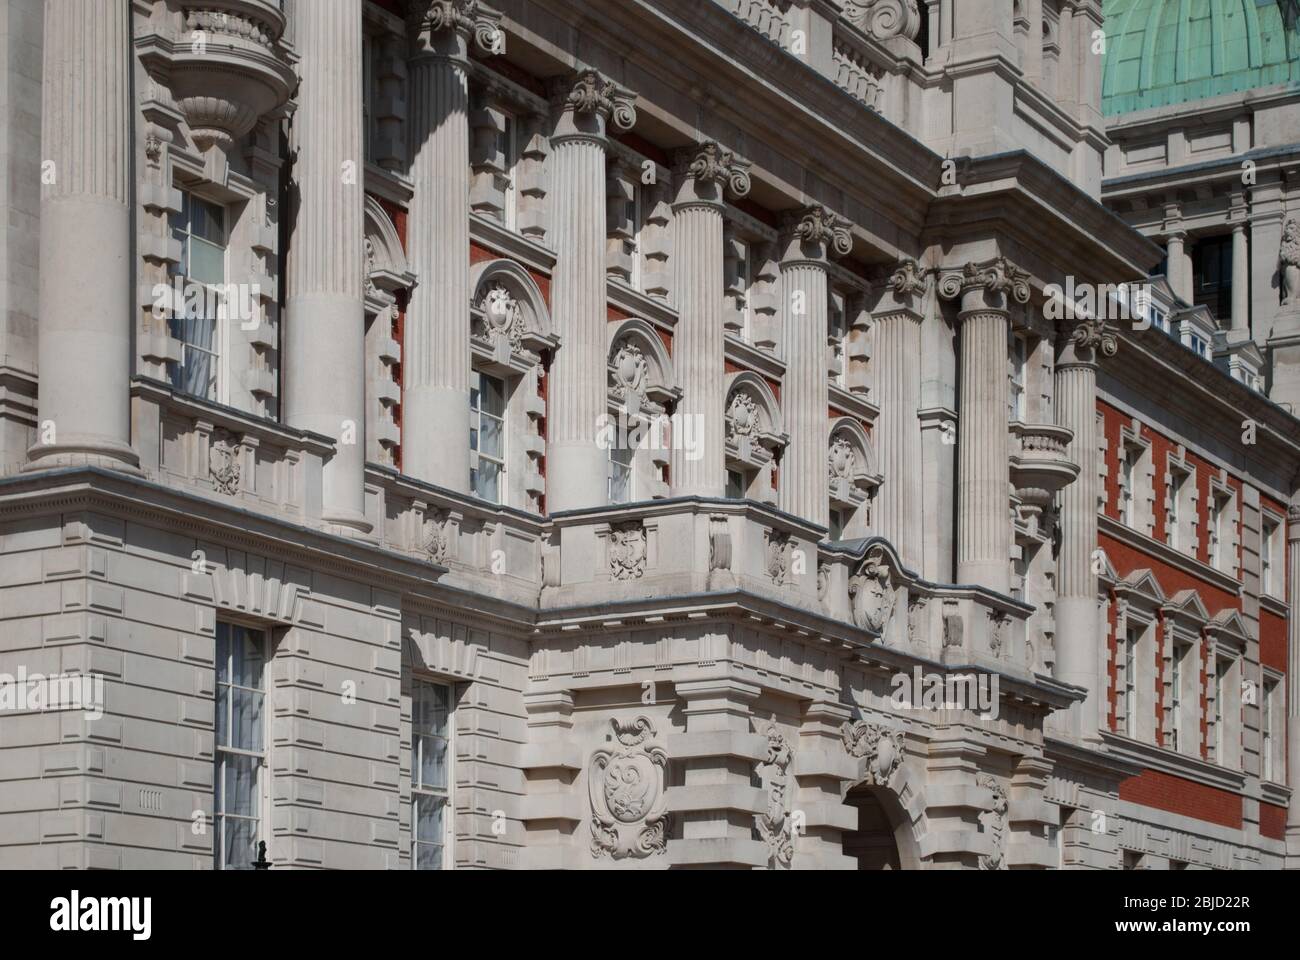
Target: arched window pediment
(851,468)
(387,272)
(754,427)
(641,378)
(510,325)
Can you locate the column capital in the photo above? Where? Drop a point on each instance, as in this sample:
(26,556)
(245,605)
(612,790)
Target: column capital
(1293,518)
(588,103)
(903,292)
(986,287)
(446,28)
(814,233)
(709,170)
(1085,341)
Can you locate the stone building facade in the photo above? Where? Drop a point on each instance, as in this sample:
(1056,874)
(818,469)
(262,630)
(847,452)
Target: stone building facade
(550,435)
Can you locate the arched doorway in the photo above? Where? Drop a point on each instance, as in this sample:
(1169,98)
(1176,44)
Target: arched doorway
(882,840)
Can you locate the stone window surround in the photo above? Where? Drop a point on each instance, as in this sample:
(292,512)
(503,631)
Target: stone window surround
(763,294)
(1183,624)
(1142,615)
(455,691)
(1276,553)
(1272,689)
(492,98)
(270,641)
(249,367)
(1223,499)
(755,455)
(1131,442)
(648,241)
(1186,538)
(1216,654)
(653,397)
(855,494)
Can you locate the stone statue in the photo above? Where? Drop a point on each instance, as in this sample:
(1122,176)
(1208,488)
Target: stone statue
(1289,258)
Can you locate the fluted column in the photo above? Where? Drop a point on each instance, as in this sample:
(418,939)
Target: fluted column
(1176,266)
(983,445)
(897,361)
(436,354)
(84,352)
(325,373)
(1293,682)
(1077,654)
(576,465)
(704,174)
(805,321)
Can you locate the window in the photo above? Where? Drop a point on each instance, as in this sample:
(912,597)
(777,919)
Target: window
(509,146)
(430,776)
(1221,533)
(620,474)
(839,523)
(487,437)
(1220,673)
(1212,276)
(636,217)
(1017,362)
(1199,345)
(1269,581)
(838,328)
(1130,681)
(1176,697)
(1128,456)
(1177,480)
(200,227)
(240,754)
(737,487)
(1266,721)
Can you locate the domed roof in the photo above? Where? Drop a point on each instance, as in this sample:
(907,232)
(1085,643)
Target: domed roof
(1162,52)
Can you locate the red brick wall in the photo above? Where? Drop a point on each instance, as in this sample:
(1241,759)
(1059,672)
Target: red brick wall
(1163,791)
(1272,821)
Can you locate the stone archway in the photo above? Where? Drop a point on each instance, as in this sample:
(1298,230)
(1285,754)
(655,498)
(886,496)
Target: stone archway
(883,839)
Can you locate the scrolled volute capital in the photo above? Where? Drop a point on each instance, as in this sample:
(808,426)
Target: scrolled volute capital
(817,226)
(593,93)
(1095,336)
(885,19)
(713,164)
(470,19)
(989,285)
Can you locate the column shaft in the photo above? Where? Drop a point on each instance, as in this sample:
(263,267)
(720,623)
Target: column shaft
(804,484)
(698,348)
(983,449)
(1293,684)
(84,352)
(897,360)
(325,348)
(1240,279)
(576,466)
(436,365)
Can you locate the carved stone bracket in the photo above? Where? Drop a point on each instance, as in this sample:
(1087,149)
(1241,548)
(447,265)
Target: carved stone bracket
(881,747)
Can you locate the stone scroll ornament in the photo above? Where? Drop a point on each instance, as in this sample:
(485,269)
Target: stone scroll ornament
(627,551)
(468,17)
(223,462)
(819,226)
(880,746)
(594,93)
(774,825)
(1000,276)
(1094,335)
(714,162)
(885,19)
(994,822)
(627,788)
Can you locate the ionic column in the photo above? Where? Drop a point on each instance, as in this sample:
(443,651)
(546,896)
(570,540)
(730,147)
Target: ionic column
(897,361)
(576,465)
(84,354)
(1293,682)
(702,177)
(1176,265)
(1240,281)
(983,445)
(805,313)
(1077,655)
(436,354)
(325,373)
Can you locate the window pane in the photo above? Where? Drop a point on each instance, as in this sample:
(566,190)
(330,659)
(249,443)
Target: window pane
(223,715)
(247,720)
(428,819)
(240,774)
(487,481)
(239,842)
(207,262)
(493,397)
(430,762)
(428,856)
(208,220)
(429,709)
(247,668)
(491,437)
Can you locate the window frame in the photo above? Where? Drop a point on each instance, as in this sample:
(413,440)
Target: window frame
(262,788)
(447,794)
(222,341)
(476,431)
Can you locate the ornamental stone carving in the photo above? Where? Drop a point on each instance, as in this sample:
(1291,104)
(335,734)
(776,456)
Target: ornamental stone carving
(223,462)
(841,460)
(1289,258)
(779,550)
(627,551)
(994,823)
(714,163)
(871,592)
(437,537)
(884,19)
(595,93)
(631,372)
(503,317)
(823,580)
(626,785)
(819,226)
(742,416)
(773,825)
(719,543)
(881,747)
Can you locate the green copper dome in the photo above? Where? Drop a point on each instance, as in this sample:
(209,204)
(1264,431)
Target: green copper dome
(1162,52)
